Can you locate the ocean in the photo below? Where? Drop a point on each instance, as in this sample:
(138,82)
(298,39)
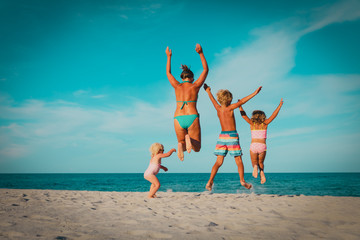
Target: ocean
(319,184)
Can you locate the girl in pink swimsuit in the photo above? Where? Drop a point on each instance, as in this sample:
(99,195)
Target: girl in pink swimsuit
(258,126)
(157,153)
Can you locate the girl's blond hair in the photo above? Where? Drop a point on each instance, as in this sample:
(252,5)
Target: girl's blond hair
(224,96)
(258,116)
(155,148)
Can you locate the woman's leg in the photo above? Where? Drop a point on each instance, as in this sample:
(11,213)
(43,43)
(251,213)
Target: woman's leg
(180,134)
(240,165)
(155,185)
(195,135)
(188,143)
(214,170)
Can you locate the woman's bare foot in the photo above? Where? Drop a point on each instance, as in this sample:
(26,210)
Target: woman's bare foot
(262,177)
(209,186)
(180,152)
(188,143)
(255,171)
(246,185)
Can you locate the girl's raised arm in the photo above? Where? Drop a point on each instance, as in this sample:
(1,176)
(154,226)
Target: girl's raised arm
(244,116)
(275,113)
(171,78)
(200,81)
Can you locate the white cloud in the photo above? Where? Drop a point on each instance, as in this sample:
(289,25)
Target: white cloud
(123,16)
(84,93)
(80,92)
(269,57)
(99,96)
(268,60)
(14,151)
(294,132)
(323,102)
(346,10)
(39,126)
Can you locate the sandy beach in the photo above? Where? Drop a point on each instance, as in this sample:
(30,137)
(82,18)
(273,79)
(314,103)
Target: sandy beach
(52,214)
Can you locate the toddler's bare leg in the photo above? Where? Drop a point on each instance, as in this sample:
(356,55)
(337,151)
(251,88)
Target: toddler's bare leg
(214,170)
(154,186)
(152,189)
(240,165)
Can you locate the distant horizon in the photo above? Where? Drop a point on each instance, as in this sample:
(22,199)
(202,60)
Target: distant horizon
(169,173)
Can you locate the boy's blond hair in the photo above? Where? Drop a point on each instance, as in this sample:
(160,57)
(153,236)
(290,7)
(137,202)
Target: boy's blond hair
(155,148)
(224,96)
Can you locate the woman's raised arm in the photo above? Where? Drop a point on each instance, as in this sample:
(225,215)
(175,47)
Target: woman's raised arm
(200,81)
(171,78)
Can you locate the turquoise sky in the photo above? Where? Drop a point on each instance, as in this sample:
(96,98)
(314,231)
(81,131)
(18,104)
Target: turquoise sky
(83,87)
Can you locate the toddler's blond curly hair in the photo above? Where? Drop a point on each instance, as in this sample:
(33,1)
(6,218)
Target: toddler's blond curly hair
(155,148)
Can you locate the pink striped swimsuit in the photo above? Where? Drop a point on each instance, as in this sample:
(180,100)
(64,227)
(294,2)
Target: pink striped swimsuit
(257,147)
(258,134)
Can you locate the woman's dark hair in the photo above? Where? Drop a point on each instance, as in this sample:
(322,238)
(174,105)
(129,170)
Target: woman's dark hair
(186,73)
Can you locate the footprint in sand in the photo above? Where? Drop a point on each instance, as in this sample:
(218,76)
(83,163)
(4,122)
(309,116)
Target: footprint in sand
(129,222)
(150,234)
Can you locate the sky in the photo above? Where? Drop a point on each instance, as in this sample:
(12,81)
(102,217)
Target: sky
(83,86)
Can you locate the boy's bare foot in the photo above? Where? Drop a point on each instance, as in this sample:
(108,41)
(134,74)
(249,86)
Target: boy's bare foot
(209,186)
(255,171)
(188,143)
(246,185)
(180,152)
(262,177)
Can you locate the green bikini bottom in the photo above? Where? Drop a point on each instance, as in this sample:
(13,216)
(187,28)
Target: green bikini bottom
(186,121)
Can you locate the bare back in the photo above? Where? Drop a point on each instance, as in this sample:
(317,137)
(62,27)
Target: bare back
(186,92)
(156,159)
(226,117)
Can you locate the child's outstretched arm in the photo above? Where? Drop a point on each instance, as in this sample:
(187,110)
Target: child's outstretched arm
(275,113)
(163,168)
(171,78)
(200,81)
(168,154)
(244,116)
(245,99)
(214,102)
